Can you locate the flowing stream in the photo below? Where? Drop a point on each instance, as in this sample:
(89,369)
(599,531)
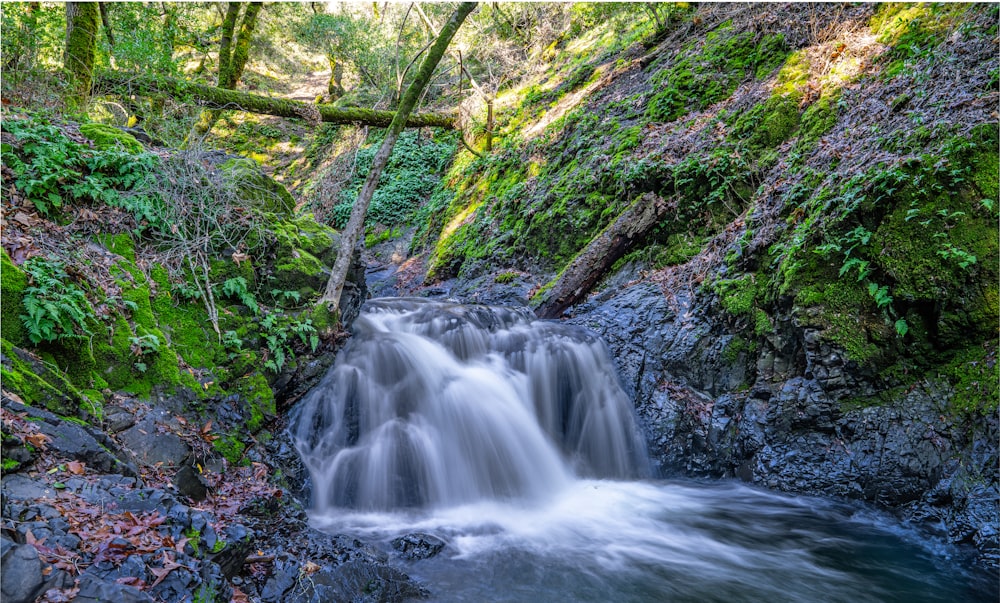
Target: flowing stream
(511,440)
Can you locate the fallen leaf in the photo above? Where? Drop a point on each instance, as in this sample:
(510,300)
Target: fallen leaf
(75,467)
(38,440)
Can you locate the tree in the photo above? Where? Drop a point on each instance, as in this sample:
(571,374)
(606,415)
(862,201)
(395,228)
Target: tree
(355,225)
(233,56)
(81,48)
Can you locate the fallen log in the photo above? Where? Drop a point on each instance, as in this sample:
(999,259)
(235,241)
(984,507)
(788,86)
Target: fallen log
(220,98)
(587,268)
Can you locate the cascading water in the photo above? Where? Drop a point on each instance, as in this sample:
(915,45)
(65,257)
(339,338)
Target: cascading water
(511,439)
(436,404)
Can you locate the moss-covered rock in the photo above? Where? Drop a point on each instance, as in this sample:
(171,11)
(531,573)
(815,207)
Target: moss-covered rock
(13,282)
(258,188)
(110,137)
(40,384)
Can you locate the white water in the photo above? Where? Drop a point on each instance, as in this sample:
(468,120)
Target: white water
(434,405)
(511,439)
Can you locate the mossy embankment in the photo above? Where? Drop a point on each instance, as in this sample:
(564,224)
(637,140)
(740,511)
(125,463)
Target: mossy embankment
(167,274)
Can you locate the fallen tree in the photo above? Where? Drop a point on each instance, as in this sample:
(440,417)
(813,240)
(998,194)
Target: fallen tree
(601,253)
(219,98)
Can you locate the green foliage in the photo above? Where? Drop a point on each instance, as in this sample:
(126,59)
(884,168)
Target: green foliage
(236,287)
(107,137)
(55,307)
(705,75)
(51,170)
(412,174)
(506,277)
(280,331)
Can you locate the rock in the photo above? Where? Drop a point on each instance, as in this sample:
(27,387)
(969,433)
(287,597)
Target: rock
(418,545)
(22,574)
(96,590)
(75,441)
(190,483)
(150,446)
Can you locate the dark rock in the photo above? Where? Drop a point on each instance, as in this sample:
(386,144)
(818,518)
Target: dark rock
(418,545)
(190,483)
(96,590)
(363,581)
(22,574)
(75,441)
(149,445)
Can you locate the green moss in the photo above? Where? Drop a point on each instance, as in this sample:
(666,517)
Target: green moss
(258,188)
(121,244)
(769,123)
(708,74)
(8,464)
(231,448)
(301,272)
(819,117)
(975,375)
(506,277)
(109,137)
(260,398)
(39,384)
(737,347)
(13,282)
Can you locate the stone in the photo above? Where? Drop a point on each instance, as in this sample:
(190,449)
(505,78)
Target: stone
(22,574)
(418,545)
(96,590)
(190,483)
(149,446)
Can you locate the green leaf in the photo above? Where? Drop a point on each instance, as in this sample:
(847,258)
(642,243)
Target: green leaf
(901,327)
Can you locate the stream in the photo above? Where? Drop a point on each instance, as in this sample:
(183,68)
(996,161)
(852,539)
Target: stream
(511,440)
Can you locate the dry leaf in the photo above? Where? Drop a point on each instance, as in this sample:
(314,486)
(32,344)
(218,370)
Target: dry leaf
(75,467)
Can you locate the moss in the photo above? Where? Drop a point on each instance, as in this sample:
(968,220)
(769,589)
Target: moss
(819,117)
(39,384)
(300,272)
(231,448)
(13,282)
(769,123)
(109,137)
(8,465)
(506,277)
(847,316)
(258,188)
(260,398)
(975,376)
(708,74)
(323,320)
(738,347)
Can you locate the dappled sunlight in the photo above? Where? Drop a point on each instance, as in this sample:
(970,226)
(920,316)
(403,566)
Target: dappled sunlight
(564,105)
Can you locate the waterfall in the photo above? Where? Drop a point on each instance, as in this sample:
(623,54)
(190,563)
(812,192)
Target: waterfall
(435,404)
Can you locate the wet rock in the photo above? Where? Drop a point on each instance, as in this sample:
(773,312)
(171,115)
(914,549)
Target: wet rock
(190,483)
(74,441)
(151,445)
(418,545)
(95,590)
(22,574)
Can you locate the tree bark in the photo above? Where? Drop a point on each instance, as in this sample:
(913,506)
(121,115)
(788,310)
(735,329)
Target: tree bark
(355,225)
(81,47)
(233,57)
(601,253)
(219,98)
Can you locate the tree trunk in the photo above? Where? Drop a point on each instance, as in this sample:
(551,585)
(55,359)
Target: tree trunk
(233,56)
(601,253)
(355,225)
(106,22)
(219,98)
(81,47)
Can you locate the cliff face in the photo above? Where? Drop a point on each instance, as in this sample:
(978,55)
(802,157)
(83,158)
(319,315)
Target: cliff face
(818,311)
